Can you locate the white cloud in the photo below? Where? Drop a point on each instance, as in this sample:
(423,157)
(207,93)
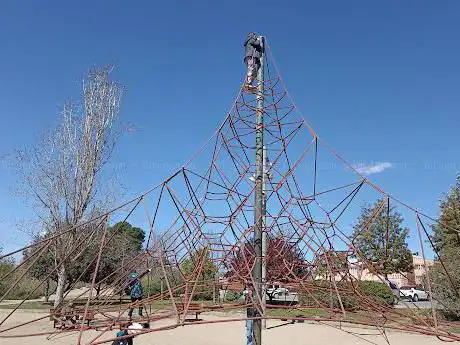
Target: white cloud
(369,169)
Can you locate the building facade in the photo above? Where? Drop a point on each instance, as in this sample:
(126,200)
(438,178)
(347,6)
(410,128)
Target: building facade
(400,279)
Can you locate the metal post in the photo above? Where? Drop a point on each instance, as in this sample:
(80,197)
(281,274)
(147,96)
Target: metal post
(264,238)
(258,214)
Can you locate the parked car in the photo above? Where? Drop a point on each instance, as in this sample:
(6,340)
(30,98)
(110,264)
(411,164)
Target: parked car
(276,290)
(415,293)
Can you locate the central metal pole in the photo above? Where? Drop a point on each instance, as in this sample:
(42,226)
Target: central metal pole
(259,204)
(264,238)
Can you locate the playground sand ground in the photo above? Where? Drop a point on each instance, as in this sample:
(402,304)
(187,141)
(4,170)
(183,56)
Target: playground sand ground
(223,333)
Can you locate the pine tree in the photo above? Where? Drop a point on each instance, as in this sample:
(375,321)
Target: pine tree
(381,239)
(445,275)
(446,235)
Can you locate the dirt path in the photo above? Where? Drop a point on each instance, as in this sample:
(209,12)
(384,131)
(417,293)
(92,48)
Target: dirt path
(278,333)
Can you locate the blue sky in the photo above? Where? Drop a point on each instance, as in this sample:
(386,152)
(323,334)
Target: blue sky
(379,80)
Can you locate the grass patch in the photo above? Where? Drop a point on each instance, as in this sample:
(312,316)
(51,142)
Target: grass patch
(26,305)
(454,329)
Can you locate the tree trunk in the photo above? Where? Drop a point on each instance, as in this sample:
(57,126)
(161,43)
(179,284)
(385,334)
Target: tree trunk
(47,290)
(69,285)
(62,277)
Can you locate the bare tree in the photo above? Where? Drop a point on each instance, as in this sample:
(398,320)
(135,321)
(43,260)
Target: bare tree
(61,173)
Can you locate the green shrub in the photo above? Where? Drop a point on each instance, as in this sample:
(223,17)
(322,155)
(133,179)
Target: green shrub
(24,288)
(445,286)
(5,268)
(205,292)
(377,291)
(351,295)
(232,295)
(153,287)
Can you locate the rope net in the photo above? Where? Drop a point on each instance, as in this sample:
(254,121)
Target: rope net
(200,223)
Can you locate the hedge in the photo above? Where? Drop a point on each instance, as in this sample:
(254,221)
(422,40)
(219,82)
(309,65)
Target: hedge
(351,295)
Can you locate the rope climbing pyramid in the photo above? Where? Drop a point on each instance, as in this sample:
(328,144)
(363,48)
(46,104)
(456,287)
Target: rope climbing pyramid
(202,243)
